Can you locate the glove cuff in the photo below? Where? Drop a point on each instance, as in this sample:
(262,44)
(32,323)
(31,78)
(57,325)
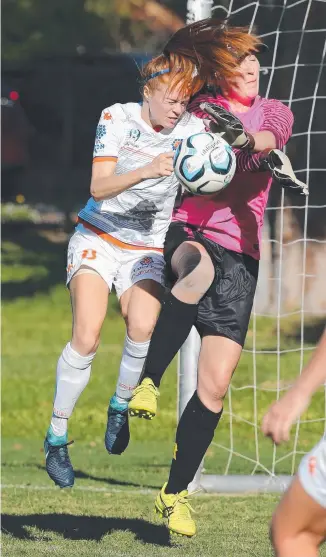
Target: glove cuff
(251,142)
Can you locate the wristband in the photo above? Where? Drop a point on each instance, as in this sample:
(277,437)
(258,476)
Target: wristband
(251,142)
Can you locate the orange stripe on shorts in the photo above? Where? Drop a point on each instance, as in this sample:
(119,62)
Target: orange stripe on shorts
(105,159)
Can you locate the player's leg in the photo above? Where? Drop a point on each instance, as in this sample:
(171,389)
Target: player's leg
(217,361)
(192,267)
(299,522)
(222,320)
(139,289)
(88,280)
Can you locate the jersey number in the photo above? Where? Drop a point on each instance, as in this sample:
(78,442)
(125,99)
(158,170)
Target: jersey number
(89,254)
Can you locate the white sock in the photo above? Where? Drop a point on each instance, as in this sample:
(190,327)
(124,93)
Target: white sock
(59,426)
(132,361)
(73,373)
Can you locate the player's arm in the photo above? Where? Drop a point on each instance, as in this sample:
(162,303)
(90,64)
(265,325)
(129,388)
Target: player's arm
(105,184)
(263,141)
(279,419)
(262,150)
(274,133)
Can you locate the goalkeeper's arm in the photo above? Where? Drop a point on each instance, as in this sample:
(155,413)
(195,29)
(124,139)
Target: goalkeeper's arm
(267,157)
(228,126)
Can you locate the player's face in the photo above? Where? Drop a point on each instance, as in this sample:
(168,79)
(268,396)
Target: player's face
(246,84)
(166,106)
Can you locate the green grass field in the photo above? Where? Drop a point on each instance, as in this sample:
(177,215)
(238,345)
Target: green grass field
(110,511)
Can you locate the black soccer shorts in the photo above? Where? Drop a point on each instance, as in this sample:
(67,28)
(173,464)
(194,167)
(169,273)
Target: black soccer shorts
(226,307)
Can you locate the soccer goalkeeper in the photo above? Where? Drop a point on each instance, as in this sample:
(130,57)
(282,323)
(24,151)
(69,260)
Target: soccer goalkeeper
(299,522)
(212,250)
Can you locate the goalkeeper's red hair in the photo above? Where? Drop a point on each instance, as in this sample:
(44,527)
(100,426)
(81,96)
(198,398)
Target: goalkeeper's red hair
(215,47)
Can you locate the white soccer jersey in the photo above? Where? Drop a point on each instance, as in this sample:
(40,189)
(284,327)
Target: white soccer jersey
(140,215)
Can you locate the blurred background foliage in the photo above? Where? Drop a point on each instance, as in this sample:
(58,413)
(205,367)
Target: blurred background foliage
(37,28)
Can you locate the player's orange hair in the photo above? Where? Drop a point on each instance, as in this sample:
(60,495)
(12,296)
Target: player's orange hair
(175,70)
(215,47)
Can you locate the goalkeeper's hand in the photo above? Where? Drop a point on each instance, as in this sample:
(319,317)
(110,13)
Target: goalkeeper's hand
(228,126)
(281,169)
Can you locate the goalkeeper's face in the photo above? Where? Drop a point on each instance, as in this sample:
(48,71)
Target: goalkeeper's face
(166,106)
(246,84)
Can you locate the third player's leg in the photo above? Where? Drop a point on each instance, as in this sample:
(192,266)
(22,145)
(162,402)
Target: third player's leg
(299,524)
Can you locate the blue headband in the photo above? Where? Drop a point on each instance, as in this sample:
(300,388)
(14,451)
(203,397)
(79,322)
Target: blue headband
(161,72)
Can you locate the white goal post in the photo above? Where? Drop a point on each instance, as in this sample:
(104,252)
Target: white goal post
(293,266)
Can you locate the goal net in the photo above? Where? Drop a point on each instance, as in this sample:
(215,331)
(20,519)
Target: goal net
(290,305)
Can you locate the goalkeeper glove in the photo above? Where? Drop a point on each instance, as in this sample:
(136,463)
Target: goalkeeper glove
(281,169)
(228,126)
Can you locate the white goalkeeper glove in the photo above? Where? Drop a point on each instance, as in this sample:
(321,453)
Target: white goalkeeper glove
(228,126)
(281,169)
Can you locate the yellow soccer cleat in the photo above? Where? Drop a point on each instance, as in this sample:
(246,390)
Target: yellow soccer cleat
(143,402)
(177,509)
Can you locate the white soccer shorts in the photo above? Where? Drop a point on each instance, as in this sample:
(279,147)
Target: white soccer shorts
(118,266)
(312,473)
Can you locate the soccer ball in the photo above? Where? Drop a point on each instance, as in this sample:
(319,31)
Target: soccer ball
(204,163)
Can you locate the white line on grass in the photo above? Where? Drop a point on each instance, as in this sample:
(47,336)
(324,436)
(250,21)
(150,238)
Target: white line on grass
(80,488)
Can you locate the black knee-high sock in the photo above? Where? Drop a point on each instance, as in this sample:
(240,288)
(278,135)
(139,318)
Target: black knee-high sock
(194,435)
(171,330)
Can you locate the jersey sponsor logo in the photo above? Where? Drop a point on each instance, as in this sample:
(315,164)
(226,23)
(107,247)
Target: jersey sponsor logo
(100,133)
(176,144)
(134,135)
(146,267)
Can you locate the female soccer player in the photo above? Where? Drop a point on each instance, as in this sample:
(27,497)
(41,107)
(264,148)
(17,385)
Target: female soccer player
(299,522)
(212,252)
(119,240)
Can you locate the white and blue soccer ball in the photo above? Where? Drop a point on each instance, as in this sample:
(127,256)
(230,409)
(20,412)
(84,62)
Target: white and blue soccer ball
(204,163)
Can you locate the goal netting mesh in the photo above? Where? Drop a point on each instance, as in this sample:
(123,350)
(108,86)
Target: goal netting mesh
(290,304)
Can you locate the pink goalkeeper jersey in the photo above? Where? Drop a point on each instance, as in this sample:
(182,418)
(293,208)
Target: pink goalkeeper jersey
(235,218)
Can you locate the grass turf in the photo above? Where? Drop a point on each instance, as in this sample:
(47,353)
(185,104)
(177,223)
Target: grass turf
(110,511)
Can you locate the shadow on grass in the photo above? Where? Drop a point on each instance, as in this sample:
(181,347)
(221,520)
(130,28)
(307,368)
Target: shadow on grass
(80,475)
(83,476)
(82,527)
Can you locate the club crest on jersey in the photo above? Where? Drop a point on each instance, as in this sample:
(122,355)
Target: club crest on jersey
(176,144)
(134,135)
(146,261)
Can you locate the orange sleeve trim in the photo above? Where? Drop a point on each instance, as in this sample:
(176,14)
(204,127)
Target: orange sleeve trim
(112,240)
(105,159)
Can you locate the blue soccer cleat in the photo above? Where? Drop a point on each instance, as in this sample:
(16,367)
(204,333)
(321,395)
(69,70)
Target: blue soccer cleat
(57,461)
(117,430)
